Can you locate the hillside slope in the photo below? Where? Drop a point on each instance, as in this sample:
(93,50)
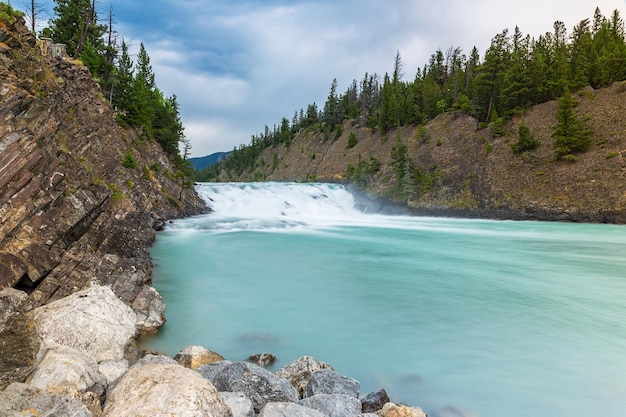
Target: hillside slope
(80,197)
(472,174)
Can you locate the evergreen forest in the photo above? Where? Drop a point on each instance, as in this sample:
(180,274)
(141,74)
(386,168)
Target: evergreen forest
(129,86)
(516,72)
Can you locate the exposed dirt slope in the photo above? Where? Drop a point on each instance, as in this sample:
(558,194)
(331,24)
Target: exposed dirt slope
(477,175)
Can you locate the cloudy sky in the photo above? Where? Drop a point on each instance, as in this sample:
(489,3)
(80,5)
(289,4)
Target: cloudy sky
(237,65)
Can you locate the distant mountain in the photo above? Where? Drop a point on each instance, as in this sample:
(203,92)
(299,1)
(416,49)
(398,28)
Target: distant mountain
(203,162)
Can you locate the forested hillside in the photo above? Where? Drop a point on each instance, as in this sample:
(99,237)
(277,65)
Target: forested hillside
(541,104)
(129,86)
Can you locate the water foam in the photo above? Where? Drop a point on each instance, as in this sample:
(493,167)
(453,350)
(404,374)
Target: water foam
(270,206)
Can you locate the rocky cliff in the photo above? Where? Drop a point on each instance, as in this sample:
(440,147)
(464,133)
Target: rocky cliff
(70,211)
(470,173)
(80,196)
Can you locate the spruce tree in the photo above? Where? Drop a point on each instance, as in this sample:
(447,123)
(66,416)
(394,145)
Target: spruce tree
(123,83)
(526,141)
(75,25)
(571,134)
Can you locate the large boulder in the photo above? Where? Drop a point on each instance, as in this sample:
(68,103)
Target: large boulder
(164,390)
(193,357)
(299,371)
(258,384)
(287,409)
(326,381)
(93,321)
(19,343)
(333,405)
(62,366)
(150,310)
(18,399)
(239,404)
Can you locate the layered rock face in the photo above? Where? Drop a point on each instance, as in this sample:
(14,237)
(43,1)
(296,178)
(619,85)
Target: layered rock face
(72,215)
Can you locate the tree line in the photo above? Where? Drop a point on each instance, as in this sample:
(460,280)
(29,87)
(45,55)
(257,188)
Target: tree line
(516,72)
(129,86)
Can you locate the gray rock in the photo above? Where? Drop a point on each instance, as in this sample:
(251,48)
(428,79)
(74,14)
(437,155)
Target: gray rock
(19,343)
(61,366)
(150,310)
(193,357)
(374,401)
(240,405)
(162,391)
(209,371)
(258,384)
(287,409)
(18,397)
(299,371)
(112,370)
(152,358)
(326,381)
(262,359)
(93,321)
(333,405)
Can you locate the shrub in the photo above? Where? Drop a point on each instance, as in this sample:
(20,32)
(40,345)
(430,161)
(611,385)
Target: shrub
(526,141)
(338,130)
(129,161)
(9,14)
(351,140)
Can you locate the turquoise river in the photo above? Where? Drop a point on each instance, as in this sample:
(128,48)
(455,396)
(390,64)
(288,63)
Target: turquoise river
(464,318)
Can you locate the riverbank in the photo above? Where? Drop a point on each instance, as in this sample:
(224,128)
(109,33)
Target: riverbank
(89,365)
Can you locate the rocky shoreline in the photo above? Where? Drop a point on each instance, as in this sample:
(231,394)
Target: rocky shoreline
(78,356)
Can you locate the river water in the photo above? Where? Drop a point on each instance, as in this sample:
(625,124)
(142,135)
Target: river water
(461,317)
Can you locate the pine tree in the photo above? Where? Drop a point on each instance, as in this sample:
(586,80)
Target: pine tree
(526,141)
(75,25)
(491,74)
(571,134)
(144,97)
(331,108)
(123,96)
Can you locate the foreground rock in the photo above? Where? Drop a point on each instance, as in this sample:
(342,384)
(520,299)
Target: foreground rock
(239,404)
(326,381)
(334,405)
(159,390)
(258,384)
(394,410)
(150,310)
(18,340)
(284,409)
(193,357)
(94,321)
(22,399)
(62,366)
(374,401)
(299,371)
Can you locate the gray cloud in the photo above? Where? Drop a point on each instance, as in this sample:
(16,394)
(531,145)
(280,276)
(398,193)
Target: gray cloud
(236,66)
